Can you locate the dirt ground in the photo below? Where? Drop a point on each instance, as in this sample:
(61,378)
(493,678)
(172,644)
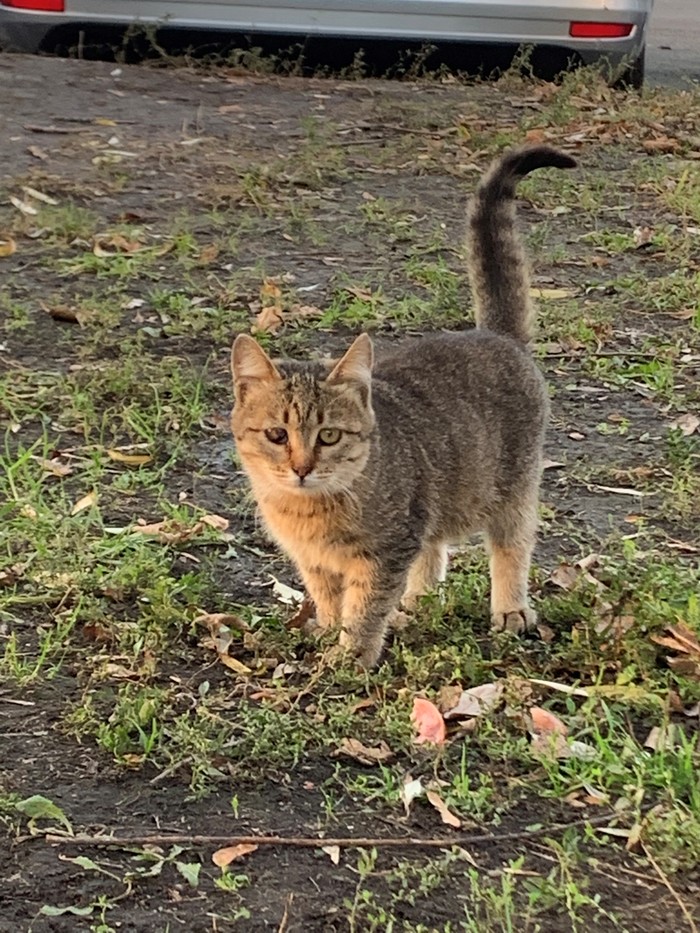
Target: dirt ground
(185,202)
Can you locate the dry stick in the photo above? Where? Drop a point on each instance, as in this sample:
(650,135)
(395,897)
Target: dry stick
(308,842)
(679,900)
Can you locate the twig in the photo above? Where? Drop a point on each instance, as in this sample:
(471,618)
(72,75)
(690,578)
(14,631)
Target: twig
(285,916)
(692,926)
(314,842)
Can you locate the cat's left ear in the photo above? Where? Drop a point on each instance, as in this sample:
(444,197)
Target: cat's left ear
(356,365)
(250,363)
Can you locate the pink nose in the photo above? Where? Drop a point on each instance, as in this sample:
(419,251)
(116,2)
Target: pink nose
(303,469)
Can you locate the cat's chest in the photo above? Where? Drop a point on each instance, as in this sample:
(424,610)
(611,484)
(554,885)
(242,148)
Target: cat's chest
(307,531)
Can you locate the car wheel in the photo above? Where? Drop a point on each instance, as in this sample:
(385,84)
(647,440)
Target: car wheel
(633,75)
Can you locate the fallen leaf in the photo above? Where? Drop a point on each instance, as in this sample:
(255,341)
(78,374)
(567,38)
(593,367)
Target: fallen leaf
(8,247)
(445,814)
(333,852)
(661,144)
(223,857)
(66,313)
(553,294)
(286,594)
(552,464)
(38,153)
(688,424)
(410,789)
(429,722)
(105,246)
(56,468)
(234,664)
(304,614)
(476,701)
(682,639)
(642,236)
(23,206)
(130,459)
(365,754)
(215,621)
(39,196)
(660,738)
(218,522)
(86,502)
(544,722)
(208,254)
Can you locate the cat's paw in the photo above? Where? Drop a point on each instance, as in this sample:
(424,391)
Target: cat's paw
(365,653)
(516,622)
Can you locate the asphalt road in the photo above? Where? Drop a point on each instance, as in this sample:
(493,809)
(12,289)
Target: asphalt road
(673,43)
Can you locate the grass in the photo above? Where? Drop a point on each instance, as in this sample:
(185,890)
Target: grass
(119,420)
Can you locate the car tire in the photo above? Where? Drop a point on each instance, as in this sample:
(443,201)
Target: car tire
(633,75)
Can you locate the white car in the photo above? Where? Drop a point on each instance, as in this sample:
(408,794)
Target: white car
(593,29)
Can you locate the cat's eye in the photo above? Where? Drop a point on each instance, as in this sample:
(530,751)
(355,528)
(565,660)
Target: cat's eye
(329,436)
(276,435)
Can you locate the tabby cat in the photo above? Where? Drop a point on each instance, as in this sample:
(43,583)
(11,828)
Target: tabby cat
(366,472)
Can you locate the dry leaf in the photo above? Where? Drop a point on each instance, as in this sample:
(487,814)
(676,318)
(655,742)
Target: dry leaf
(429,722)
(411,789)
(39,196)
(24,207)
(223,857)
(8,247)
(234,664)
(476,701)
(553,294)
(544,722)
(445,814)
(131,459)
(38,153)
(661,144)
(209,254)
(86,502)
(304,614)
(56,468)
(687,423)
(218,522)
(65,313)
(115,245)
(333,852)
(682,639)
(642,236)
(286,594)
(366,755)
(215,621)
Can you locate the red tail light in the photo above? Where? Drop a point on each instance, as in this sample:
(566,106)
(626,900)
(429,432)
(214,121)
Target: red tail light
(600,30)
(48,6)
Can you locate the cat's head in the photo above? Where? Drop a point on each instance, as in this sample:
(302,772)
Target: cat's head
(302,427)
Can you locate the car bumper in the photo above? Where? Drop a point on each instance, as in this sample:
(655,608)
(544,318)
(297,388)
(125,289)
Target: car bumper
(501,23)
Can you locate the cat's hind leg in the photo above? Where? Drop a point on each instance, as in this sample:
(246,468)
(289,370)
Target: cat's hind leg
(426,571)
(510,539)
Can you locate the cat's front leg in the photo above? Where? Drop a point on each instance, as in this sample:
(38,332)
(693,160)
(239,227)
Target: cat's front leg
(325,587)
(370,600)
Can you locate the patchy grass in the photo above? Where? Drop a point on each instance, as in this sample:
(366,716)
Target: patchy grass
(127,528)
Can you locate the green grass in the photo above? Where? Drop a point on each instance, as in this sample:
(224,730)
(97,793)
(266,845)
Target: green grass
(128,408)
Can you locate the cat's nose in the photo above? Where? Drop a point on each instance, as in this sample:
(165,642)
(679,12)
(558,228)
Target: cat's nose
(302,470)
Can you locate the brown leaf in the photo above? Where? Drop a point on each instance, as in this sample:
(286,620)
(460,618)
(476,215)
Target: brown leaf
(86,502)
(7,246)
(268,320)
(688,424)
(304,614)
(223,857)
(209,254)
(56,468)
(366,755)
(38,153)
(214,621)
(63,313)
(445,814)
(642,236)
(234,664)
(661,144)
(114,245)
(476,701)
(130,459)
(218,522)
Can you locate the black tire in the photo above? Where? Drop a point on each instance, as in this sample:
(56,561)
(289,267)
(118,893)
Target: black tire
(633,75)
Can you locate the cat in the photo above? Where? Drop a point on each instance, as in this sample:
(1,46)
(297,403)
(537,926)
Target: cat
(365,472)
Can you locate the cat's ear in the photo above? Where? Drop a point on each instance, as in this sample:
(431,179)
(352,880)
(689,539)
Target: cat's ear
(250,363)
(356,365)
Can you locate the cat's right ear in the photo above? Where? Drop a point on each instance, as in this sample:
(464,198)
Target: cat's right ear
(250,363)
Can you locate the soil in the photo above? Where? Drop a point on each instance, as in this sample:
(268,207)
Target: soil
(187,129)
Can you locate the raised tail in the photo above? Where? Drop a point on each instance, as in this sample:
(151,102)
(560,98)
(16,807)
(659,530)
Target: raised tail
(498,271)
